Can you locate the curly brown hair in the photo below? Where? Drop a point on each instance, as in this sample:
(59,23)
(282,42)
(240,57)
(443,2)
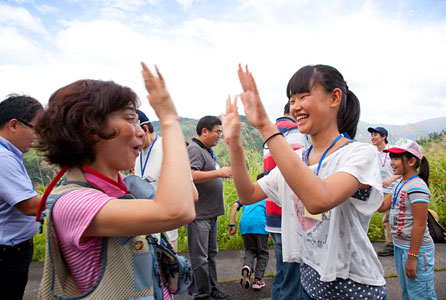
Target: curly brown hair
(76,116)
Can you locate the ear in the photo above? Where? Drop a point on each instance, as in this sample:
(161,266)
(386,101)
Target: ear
(412,162)
(204,131)
(12,125)
(335,97)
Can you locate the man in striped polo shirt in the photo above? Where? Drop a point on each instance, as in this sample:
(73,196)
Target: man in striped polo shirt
(286,283)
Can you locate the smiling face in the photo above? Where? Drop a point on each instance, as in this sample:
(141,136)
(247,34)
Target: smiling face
(377,139)
(314,110)
(120,152)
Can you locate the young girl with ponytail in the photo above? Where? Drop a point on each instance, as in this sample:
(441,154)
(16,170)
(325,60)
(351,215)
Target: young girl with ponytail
(328,192)
(413,245)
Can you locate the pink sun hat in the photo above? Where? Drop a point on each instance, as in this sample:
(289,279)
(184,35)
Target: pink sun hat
(406,145)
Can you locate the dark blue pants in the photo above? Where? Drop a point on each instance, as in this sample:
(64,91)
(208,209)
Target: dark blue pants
(14,267)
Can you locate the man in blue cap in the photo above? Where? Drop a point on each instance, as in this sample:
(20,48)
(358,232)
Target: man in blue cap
(379,139)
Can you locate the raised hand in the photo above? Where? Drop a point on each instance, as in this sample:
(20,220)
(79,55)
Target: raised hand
(159,97)
(231,122)
(254,110)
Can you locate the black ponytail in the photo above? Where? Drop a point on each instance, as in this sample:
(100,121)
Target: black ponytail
(330,78)
(424,170)
(348,115)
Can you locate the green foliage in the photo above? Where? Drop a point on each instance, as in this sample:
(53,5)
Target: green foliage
(434,151)
(433,148)
(39,245)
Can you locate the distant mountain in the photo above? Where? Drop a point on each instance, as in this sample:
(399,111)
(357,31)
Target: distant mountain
(412,131)
(252,138)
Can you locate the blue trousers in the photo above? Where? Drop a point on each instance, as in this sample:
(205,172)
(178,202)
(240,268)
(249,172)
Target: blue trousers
(14,267)
(286,283)
(421,287)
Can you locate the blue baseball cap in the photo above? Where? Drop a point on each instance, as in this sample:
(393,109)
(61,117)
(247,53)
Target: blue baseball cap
(381,130)
(142,118)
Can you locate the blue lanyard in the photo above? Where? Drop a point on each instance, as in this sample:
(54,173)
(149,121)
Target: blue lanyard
(212,154)
(324,154)
(147,157)
(4,146)
(395,196)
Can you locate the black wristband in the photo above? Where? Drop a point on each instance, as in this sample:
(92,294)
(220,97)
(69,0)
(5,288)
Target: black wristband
(267,140)
(231,225)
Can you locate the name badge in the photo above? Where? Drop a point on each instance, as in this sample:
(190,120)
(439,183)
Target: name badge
(383,174)
(217,166)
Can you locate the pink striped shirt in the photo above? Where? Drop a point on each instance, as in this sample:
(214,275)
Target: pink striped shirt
(72,214)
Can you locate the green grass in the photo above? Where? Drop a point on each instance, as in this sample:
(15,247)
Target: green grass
(434,152)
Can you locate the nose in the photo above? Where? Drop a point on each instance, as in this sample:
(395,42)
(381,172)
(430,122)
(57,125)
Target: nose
(139,132)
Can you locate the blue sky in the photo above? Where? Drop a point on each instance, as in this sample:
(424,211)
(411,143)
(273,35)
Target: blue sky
(391,53)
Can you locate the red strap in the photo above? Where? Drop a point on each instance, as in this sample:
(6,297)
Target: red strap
(108,179)
(42,204)
(59,175)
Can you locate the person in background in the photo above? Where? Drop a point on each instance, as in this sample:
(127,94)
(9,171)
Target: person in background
(286,282)
(148,164)
(408,204)
(202,232)
(255,241)
(18,199)
(379,137)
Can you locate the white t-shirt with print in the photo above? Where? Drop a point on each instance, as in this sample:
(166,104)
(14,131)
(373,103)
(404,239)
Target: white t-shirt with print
(338,245)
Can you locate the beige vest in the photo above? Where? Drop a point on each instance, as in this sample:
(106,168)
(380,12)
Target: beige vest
(119,270)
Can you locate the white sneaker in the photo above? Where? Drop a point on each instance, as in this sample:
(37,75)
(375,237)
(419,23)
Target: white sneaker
(246,277)
(258,284)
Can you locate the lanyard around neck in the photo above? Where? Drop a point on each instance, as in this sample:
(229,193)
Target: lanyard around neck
(147,157)
(324,154)
(395,196)
(4,146)
(385,158)
(212,154)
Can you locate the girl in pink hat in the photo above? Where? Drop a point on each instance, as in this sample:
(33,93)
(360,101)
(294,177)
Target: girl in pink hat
(409,202)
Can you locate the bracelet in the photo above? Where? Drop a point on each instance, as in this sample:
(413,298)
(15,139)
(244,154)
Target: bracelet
(231,225)
(411,254)
(267,140)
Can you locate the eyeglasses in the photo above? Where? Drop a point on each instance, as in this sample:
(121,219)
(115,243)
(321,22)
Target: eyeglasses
(26,124)
(219,132)
(131,117)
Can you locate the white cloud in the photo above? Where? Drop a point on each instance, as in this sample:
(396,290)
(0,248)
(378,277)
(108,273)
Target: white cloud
(187,3)
(20,17)
(46,9)
(395,66)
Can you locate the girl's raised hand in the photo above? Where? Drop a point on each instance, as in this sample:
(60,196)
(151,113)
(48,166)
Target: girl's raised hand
(231,122)
(254,110)
(159,97)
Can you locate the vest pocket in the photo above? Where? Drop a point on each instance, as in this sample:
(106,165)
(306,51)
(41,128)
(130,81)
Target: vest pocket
(143,270)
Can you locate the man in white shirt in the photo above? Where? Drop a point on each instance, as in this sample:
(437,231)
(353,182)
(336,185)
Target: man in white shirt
(148,163)
(379,139)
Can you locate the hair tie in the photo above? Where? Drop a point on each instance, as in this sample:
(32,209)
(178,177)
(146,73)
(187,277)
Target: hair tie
(346,86)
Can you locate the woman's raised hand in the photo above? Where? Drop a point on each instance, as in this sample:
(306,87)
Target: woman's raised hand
(254,110)
(231,122)
(159,97)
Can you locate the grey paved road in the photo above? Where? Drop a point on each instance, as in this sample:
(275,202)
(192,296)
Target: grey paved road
(229,263)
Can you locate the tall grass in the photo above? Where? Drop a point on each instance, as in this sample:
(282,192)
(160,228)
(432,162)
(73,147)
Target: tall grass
(434,151)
